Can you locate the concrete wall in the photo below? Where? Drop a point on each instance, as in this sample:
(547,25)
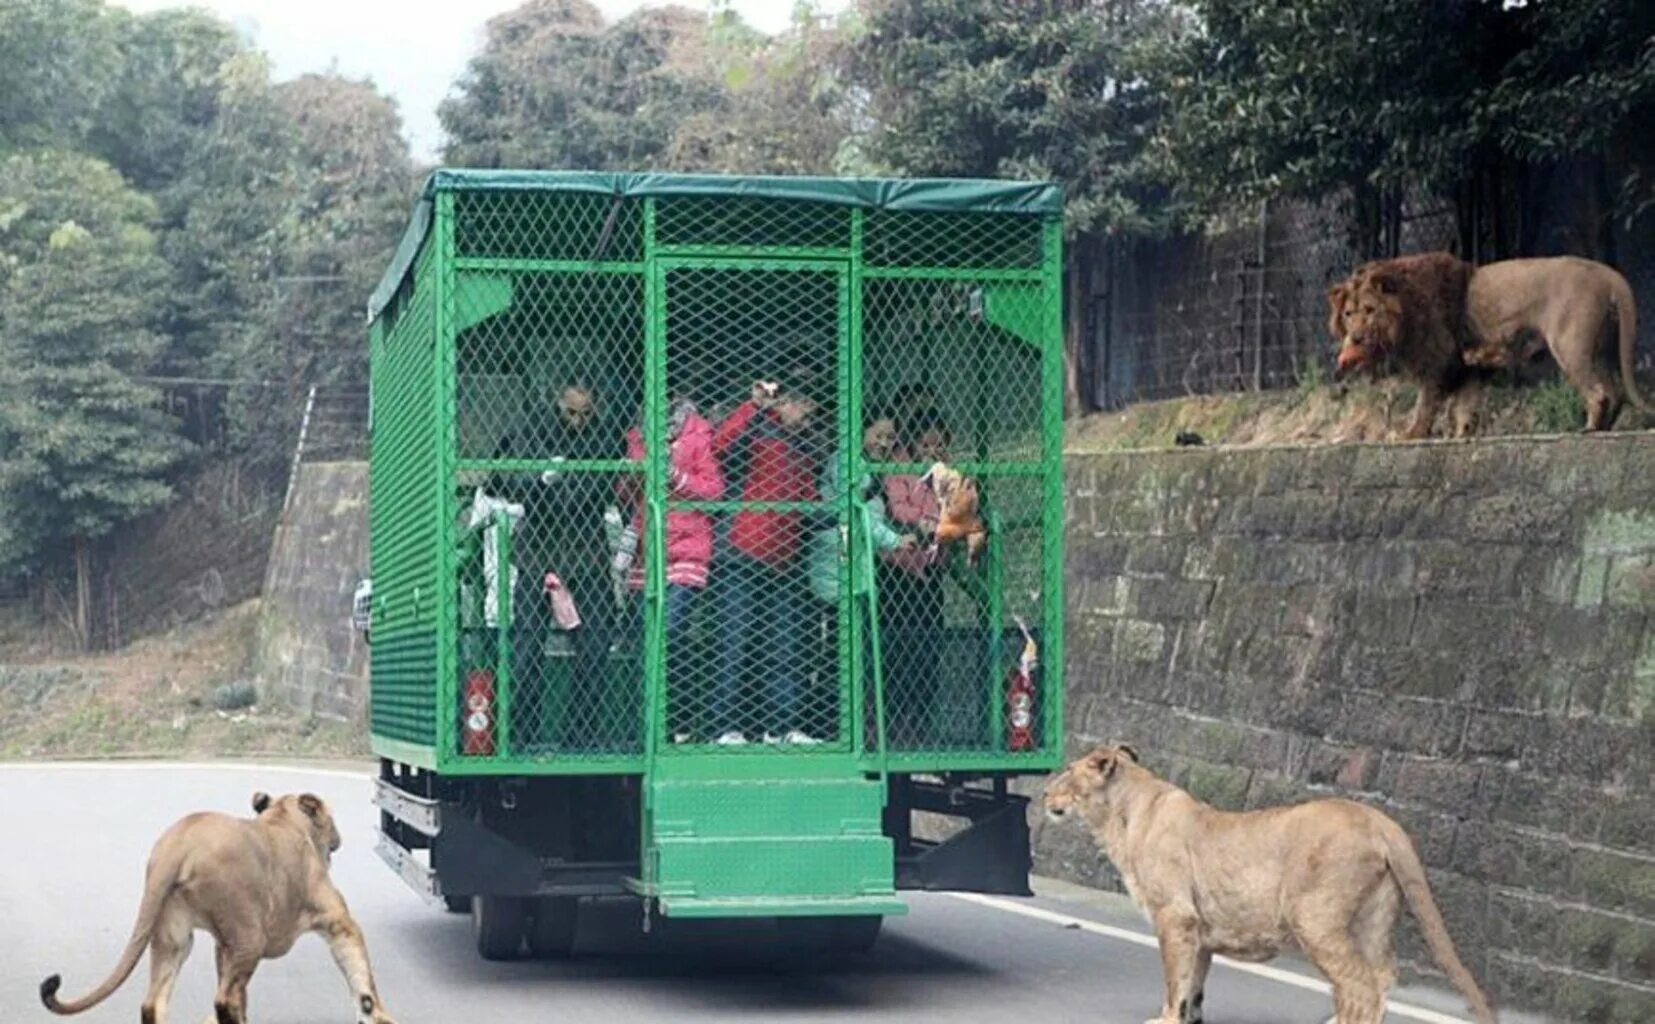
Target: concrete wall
(1462,634)
(308,657)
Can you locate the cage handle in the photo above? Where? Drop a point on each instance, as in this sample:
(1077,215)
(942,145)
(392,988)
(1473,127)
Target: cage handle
(870,593)
(655,589)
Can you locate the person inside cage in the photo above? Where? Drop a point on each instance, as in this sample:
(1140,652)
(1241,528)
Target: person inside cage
(762,585)
(693,474)
(911,589)
(829,544)
(559,550)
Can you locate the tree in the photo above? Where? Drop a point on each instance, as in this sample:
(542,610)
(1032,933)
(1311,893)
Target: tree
(788,102)
(1302,99)
(84,445)
(60,63)
(556,87)
(995,89)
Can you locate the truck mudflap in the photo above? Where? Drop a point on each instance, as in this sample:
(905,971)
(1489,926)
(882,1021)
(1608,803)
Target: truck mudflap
(990,855)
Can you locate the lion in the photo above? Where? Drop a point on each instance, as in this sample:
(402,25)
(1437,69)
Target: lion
(1409,311)
(1564,303)
(256,885)
(1326,876)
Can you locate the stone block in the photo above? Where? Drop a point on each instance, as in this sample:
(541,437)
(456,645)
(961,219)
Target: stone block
(1409,726)
(1450,785)
(1169,599)
(1513,517)
(1342,766)
(1631,582)
(1546,802)
(1615,881)
(1628,822)
(1612,944)
(1500,855)
(1139,642)
(1156,556)
(1522,923)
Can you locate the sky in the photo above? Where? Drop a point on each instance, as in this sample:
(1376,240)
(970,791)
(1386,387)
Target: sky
(412,49)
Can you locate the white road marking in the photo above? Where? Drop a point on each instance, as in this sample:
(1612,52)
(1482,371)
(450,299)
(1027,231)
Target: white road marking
(1276,974)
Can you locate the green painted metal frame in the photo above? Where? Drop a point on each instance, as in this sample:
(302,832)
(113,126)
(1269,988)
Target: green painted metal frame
(444,757)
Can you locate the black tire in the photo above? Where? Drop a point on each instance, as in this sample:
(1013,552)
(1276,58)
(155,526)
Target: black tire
(552,927)
(848,933)
(498,923)
(457,904)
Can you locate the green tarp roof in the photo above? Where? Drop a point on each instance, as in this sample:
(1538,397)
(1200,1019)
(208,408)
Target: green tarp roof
(926,195)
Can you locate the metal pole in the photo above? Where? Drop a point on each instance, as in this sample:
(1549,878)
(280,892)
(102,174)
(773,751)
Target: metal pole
(1258,299)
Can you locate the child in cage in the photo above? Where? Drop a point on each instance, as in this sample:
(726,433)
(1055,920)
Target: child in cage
(693,474)
(829,545)
(762,594)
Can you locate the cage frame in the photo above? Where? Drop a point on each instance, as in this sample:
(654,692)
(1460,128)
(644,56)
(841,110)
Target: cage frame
(426,268)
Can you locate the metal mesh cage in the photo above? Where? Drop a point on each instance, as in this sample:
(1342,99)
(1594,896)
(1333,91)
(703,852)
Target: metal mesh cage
(685,441)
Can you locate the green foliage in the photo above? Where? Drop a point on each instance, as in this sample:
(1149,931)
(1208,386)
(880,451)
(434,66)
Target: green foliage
(1558,408)
(664,88)
(60,63)
(169,209)
(1304,98)
(86,446)
(969,88)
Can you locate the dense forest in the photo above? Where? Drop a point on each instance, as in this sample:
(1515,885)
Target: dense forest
(172,217)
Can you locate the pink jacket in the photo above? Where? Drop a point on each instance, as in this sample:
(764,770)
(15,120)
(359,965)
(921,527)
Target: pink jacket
(693,475)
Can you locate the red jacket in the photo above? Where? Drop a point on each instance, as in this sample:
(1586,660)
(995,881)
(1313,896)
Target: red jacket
(776,471)
(693,475)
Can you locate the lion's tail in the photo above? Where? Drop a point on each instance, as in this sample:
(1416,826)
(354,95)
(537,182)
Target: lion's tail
(1626,318)
(1410,875)
(158,885)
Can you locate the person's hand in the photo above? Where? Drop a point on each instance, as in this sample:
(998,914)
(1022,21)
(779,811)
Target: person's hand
(764,393)
(907,542)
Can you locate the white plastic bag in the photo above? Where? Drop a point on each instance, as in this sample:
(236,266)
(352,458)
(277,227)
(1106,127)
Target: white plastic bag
(483,507)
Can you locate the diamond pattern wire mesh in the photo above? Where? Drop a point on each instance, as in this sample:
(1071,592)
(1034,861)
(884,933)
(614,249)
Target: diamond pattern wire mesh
(756,354)
(762,366)
(905,238)
(719,221)
(548,226)
(550,375)
(953,366)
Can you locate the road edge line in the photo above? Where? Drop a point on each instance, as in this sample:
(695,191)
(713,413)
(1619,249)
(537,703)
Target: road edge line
(1265,971)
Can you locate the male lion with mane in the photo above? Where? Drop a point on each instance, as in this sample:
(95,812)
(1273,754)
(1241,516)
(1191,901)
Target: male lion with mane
(1409,311)
(1327,876)
(256,885)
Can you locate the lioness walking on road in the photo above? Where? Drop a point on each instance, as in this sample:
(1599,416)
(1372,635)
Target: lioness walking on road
(256,885)
(1327,876)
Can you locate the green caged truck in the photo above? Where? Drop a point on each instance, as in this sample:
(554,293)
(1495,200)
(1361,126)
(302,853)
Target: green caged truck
(716,545)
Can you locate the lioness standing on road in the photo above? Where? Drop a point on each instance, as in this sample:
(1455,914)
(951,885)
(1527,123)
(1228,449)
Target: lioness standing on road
(1326,876)
(256,885)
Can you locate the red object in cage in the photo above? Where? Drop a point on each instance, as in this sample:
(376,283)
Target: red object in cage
(477,726)
(1020,695)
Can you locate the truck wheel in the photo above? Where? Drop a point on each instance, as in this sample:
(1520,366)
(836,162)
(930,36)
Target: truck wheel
(498,922)
(552,927)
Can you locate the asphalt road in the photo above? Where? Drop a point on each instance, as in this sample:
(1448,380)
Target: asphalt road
(77,837)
